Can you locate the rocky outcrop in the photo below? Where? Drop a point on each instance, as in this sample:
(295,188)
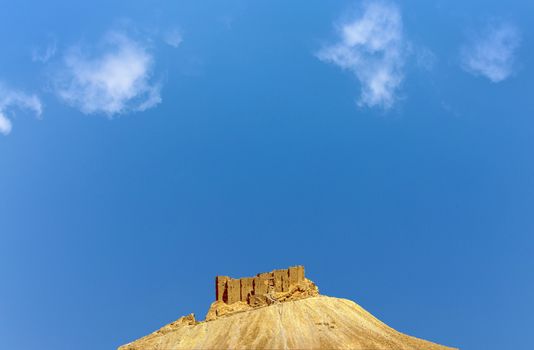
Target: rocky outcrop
(280,309)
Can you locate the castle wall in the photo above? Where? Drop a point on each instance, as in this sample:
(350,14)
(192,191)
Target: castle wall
(247,287)
(220,287)
(300,272)
(231,290)
(234,291)
(265,275)
(260,285)
(294,275)
(279,280)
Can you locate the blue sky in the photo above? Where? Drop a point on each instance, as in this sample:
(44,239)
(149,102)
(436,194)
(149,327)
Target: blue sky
(147,147)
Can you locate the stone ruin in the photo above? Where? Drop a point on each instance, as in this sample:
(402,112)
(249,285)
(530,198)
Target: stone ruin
(234,295)
(231,290)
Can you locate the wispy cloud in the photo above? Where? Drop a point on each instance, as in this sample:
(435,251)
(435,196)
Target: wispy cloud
(44,54)
(173,38)
(425,58)
(373,48)
(491,53)
(11,100)
(118,79)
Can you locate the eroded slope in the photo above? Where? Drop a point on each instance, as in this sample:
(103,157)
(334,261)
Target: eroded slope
(314,323)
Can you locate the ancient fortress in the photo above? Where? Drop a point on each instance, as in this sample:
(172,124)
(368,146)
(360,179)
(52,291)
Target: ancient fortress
(253,290)
(280,309)
(242,294)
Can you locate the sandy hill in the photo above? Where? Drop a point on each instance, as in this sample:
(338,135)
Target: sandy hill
(294,318)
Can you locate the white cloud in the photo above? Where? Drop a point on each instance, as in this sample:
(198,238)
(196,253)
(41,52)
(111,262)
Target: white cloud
(13,99)
(492,52)
(374,49)
(5,124)
(173,38)
(117,80)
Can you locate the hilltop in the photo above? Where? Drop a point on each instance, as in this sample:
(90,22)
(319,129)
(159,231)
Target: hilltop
(279,310)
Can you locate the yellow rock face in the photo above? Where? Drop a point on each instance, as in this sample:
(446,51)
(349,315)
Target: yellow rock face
(318,322)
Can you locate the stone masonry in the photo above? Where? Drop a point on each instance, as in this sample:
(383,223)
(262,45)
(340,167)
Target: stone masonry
(229,290)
